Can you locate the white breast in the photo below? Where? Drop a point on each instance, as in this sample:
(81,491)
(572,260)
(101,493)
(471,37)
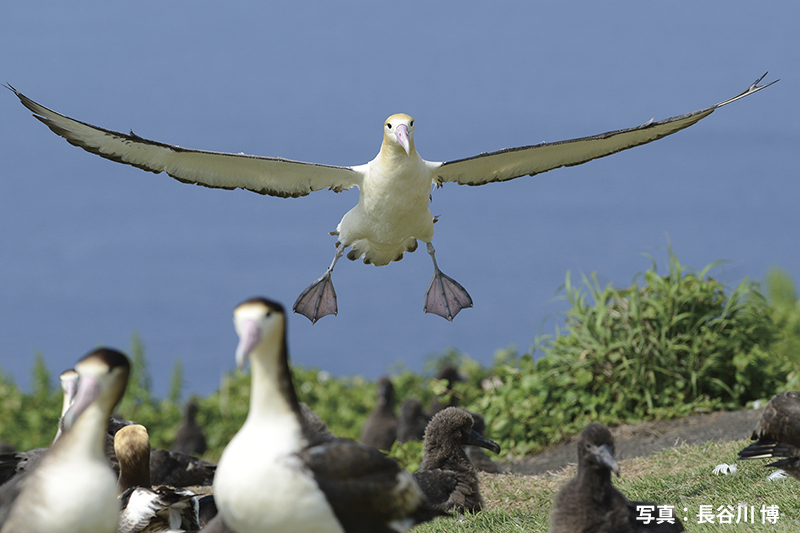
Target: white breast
(261,485)
(66,496)
(392,211)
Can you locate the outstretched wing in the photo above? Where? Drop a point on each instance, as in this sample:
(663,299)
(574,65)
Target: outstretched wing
(529,160)
(265,175)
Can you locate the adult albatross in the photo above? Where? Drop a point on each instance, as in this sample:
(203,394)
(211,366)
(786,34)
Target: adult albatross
(392,213)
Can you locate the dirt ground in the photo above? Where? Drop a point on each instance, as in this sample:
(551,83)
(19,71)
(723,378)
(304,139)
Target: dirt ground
(650,437)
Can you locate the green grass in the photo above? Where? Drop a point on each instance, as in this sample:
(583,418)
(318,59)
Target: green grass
(680,476)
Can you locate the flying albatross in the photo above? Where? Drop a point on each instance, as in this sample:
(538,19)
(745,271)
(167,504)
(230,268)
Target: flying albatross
(392,213)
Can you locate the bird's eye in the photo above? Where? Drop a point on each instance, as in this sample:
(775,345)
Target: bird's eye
(412,124)
(389,126)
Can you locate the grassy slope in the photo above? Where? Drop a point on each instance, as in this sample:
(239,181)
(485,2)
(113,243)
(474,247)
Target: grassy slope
(679,476)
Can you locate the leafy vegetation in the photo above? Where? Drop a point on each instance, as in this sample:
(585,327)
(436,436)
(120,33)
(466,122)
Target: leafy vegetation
(667,346)
(785,308)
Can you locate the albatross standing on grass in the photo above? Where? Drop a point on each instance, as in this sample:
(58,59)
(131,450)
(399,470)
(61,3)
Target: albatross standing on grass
(777,434)
(392,213)
(446,474)
(589,502)
(277,474)
(73,490)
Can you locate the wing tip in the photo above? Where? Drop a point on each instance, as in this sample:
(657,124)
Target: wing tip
(754,88)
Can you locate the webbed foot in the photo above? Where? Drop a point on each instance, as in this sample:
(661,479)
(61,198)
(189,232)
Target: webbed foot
(317,300)
(445,296)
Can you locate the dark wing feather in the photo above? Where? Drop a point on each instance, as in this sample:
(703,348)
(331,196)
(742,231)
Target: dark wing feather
(264,175)
(440,486)
(777,433)
(178,469)
(530,160)
(347,471)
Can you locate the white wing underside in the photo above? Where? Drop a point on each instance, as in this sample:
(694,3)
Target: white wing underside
(264,175)
(283,177)
(529,160)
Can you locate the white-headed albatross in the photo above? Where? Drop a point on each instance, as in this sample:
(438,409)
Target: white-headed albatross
(392,213)
(777,434)
(147,509)
(15,466)
(276,475)
(74,490)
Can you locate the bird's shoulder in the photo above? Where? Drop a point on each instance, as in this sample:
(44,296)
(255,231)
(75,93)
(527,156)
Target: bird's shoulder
(342,458)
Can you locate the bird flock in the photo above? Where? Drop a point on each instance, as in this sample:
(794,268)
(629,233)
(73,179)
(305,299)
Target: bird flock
(284,470)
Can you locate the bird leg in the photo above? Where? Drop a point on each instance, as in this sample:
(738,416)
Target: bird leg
(445,296)
(319,298)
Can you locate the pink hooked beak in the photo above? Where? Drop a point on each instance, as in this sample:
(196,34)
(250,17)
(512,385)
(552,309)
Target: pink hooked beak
(402,137)
(88,392)
(249,337)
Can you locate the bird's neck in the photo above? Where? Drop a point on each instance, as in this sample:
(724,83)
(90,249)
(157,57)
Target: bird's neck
(385,405)
(446,458)
(272,394)
(134,471)
(596,478)
(87,436)
(394,155)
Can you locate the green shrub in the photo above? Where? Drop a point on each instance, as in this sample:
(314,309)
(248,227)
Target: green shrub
(669,346)
(30,420)
(785,310)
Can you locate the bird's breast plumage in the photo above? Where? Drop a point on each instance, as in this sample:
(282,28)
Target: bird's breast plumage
(392,211)
(262,485)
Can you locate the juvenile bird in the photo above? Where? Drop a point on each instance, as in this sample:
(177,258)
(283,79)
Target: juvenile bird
(590,503)
(446,474)
(476,454)
(189,438)
(412,422)
(380,428)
